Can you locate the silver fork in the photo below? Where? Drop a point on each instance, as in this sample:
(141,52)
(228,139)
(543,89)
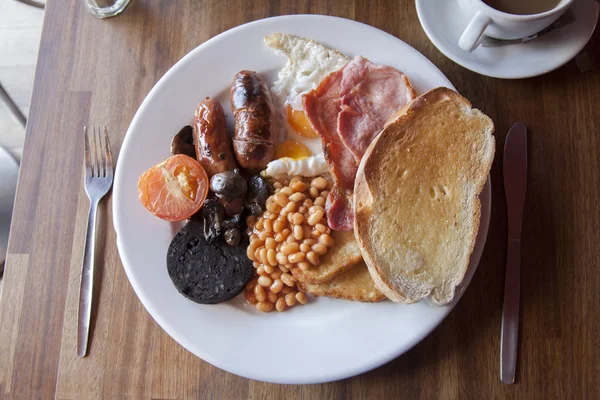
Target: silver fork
(98,166)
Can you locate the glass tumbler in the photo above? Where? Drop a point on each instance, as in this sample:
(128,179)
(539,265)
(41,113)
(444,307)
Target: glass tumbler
(105,8)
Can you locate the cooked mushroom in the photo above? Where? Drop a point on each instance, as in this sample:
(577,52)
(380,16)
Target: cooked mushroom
(183,142)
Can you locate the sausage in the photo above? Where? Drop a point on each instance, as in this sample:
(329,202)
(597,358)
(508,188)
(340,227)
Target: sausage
(255,131)
(213,145)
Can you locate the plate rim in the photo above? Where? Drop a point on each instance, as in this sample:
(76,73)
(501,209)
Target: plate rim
(180,339)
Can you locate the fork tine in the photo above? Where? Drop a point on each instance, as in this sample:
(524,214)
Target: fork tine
(108,153)
(101,154)
(95,153)
(87,156)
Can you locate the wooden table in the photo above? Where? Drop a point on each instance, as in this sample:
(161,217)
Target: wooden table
(97,72)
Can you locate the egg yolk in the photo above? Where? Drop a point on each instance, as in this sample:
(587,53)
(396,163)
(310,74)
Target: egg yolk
(292,149)
(298,121)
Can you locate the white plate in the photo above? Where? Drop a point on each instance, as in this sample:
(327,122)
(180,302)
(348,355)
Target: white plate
(325,340)
(444,22)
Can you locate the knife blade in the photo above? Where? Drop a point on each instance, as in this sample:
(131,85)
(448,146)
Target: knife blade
(515,186)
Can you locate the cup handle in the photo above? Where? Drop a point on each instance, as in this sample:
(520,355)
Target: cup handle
(473,31)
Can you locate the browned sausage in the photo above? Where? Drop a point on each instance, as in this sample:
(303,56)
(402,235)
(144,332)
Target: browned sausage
(213,145)
(255,131)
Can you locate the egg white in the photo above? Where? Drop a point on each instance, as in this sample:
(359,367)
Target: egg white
(308,62)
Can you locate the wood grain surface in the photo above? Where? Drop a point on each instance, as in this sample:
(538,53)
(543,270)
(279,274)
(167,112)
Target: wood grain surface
(94,72)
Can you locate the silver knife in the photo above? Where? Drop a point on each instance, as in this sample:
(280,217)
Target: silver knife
(515,186)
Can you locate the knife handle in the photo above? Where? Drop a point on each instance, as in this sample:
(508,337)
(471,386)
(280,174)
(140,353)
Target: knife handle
(510,312)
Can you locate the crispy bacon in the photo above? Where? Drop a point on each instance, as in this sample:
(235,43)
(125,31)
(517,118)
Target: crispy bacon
(348,109)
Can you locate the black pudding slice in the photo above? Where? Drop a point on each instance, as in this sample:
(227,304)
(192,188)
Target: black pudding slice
(207,273)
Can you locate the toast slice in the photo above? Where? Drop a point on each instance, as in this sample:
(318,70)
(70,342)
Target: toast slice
(416,196)
(355,284)
(339,259)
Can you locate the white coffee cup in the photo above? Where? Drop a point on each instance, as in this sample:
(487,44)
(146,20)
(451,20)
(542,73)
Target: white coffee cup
(501,25)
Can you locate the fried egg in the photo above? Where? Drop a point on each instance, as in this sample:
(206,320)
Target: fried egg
(308,62)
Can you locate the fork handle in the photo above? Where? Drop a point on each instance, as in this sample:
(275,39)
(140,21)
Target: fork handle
(87,283)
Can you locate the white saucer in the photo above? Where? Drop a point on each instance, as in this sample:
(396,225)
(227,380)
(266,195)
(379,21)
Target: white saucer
(9,170)
(444,22)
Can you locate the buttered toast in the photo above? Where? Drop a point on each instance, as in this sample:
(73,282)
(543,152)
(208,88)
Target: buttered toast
(339,259)
(416,200)
(355,284)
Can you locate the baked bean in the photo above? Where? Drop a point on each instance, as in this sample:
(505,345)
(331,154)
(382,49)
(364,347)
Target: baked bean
(295,178)
(287,279)
(298,218)
(271,255)
(250,253)
(290,239)
(304,266)
(315,218)
(319,183)
(253,236)
(310,241)
(298,232)
(320,249)
(270,243)
(269,269)
(290,218)
(264,306)
(298,186)
(302,209)
(297,197)
(296,257)
(291,207)
(308,203)
(286,190)
(324,194)
(282,258)
(273,217)
(273,207)
(304,248)
(327,240)
(263,235)
(272,297)
(259,293)
(312,210)
(278,226)
(314,192)
(259,224)
(263,255)
(278,185)
(290,248)
(315,233)
(257,254)
(266,214)
(322,228)
(269,225)
(319,201)
(312,258)
(301,297)
(260,270)
(276,286)
(280,305)
(290,299)
(265,281)
(276,274)
(279,238)
(286,290)
(281,199)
